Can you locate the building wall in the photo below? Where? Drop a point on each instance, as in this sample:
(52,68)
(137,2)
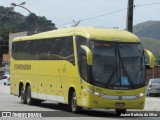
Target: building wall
(5,58)
(12,36)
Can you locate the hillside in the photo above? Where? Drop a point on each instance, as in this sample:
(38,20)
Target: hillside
(149,29)
(149,33)
(151,44)
(11,22)
(19,22)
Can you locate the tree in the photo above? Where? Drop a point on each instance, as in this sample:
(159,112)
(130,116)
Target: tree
(15,22)
(43,24)
(4,39)
(158,59)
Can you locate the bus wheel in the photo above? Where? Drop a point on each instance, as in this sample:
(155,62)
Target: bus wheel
(23,96)
(29,100)
(73,103)
(120,111)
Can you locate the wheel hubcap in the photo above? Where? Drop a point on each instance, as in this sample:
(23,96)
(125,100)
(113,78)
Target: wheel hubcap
(22,95)
(28,96)
(74,103)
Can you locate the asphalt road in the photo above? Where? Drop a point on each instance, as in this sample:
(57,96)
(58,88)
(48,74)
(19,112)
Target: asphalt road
(12,103)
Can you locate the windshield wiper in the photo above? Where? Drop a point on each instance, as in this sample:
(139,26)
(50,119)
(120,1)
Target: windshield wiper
(110,78)
(125,72)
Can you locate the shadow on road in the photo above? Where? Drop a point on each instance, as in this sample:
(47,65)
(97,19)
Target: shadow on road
(63,110)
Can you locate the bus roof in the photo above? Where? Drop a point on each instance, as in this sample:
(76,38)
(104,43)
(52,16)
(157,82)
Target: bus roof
(88,32)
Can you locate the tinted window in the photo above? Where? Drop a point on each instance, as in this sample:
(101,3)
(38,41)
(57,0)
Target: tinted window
(22,50)
(81,41)
(4,77)
(45,49)
(155,81)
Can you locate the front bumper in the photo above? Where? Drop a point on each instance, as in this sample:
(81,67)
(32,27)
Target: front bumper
(98,102)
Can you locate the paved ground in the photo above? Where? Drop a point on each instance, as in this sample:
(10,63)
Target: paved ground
(9,102)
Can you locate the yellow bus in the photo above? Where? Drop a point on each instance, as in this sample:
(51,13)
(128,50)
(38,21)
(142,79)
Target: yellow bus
(81,66)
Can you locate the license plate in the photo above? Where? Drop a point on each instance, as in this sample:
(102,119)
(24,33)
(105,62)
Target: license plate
(120,104)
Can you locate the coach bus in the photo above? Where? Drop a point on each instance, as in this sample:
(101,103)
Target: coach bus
(84,67)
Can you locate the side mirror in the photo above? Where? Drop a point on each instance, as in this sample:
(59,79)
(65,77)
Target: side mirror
(88,54)
(151,58)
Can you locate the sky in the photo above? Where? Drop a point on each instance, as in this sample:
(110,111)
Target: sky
(62,12)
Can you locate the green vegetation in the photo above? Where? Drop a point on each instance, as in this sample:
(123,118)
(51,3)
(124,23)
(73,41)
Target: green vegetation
(149,29)
(151,44)
(11,22)
(149,32)
(24,23)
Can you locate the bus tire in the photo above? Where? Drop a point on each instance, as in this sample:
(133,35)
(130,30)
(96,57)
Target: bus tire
(120,111)
(73,103)
(29,99)
(23,96)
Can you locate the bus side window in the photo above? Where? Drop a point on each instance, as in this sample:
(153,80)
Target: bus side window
(81,56)
(14,52)
(83,67)
(67,51)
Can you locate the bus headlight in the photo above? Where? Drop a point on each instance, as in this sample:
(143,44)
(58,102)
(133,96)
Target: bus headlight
(94,93)
(97,93)
(140,95)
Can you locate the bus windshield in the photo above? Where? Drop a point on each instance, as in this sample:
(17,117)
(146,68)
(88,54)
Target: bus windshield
(118,65)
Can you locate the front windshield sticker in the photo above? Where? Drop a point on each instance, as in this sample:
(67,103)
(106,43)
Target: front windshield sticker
(124,81)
